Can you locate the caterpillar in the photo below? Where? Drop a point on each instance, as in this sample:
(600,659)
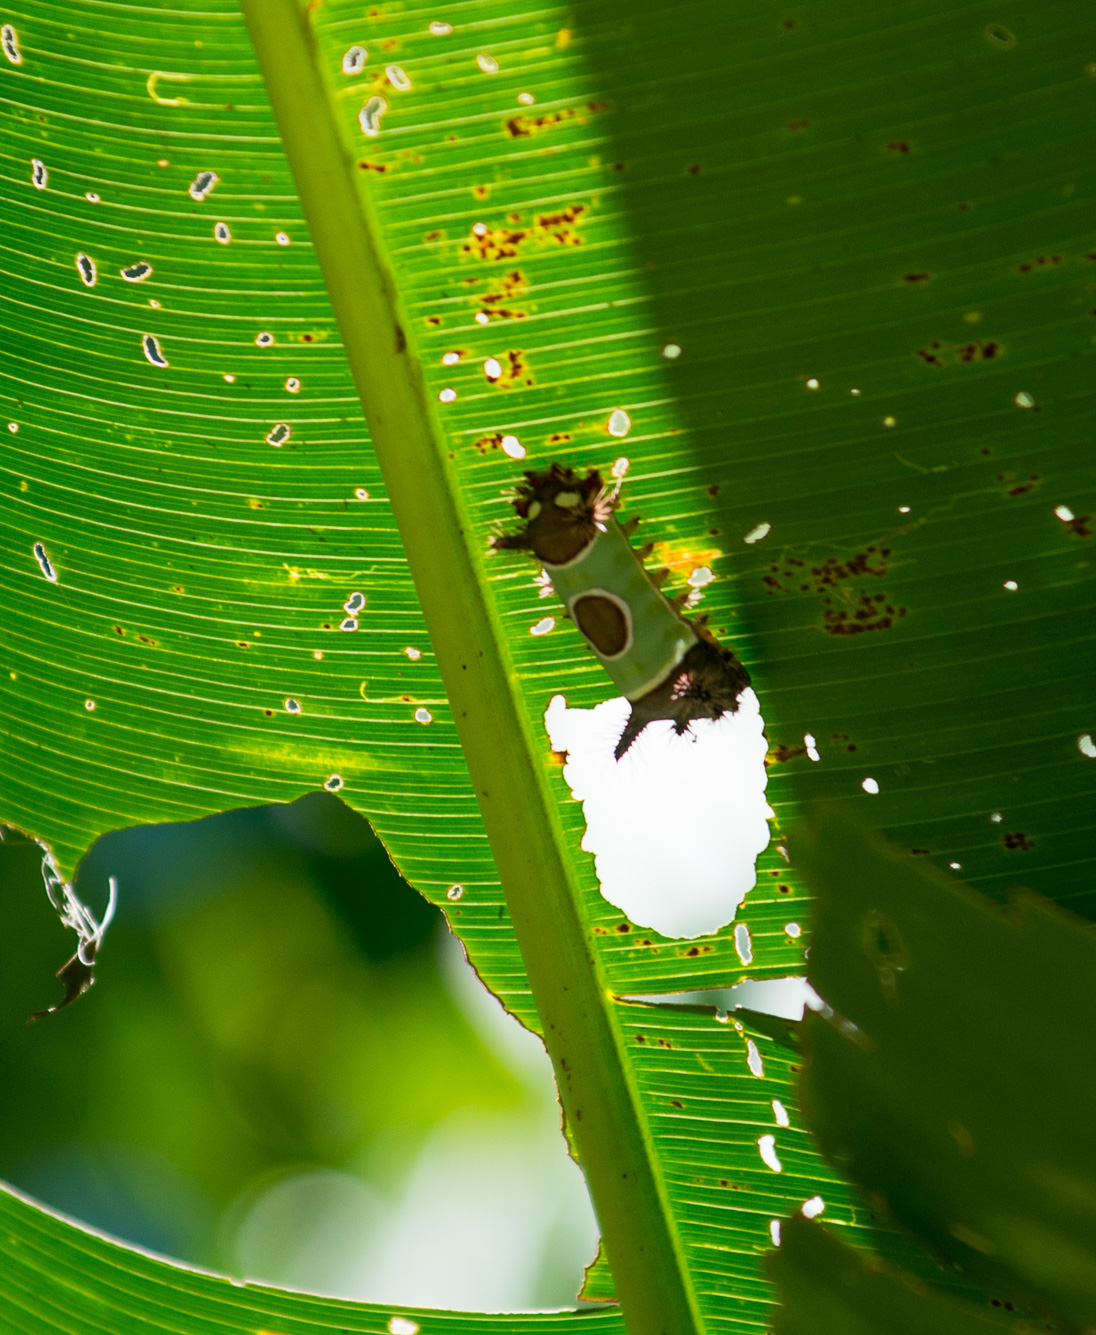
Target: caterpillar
(665,665)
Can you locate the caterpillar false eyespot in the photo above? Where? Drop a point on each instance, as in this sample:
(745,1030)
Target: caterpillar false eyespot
(667,666)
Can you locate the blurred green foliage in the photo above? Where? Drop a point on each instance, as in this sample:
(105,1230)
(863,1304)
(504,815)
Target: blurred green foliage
(268,999)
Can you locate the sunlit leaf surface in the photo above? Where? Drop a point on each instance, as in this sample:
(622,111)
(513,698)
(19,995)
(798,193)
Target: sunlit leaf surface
(865,230)
(60,1277)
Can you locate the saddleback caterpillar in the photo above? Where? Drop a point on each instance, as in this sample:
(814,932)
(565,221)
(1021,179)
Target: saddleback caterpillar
(667,666)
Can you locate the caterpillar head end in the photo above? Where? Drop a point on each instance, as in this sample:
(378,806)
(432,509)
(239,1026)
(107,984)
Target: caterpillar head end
(562,512)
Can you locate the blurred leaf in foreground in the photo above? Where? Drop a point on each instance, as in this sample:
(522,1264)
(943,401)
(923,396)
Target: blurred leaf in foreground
(954,1081)
(827,1288)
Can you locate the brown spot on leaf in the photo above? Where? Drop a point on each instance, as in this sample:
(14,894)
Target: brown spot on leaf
(491,442)
(780,755)
(915,277)
(1018,842)
(1041,262)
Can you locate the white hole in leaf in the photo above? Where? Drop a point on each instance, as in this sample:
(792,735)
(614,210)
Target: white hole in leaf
(13,427)
(45,564)
(903,509)
(758,532)
(156,305)
(870,786)
(397,77)
(743,943)
(1011,585)
(293,385)
(348,624)
(412,653)
(707,787)
(89,705)
(85,267)
(1064,513)
(890,421)
(334,783)
(265,339)
(354,603)
(292,706)
(9,39)
(423,715)
(492,368)
(955,866)
(92,197)
(774,1231)
(700,578)
(753,1059)
(812,746)
(354,58)
(369,118)
(202,184)
(513,447)
(812,383)
(487,63)
(361,494)
(780,1113)
(526,99)
(814,1207)
(1024,400)
(230,378)
(1086,745)
(996,817)
(793,929)
(282,238)
(222,233)
(454,892)
(619,423)
(151,348)
(620,467)
(767,1147)
(450,359)
(855,393)
(447,395)
(671,351)
(136,273)
(439,28)
(543,626)
(39,174)
(402,1325)
(279,433)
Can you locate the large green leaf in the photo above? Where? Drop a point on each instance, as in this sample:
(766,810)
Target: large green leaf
(985,1013)
(817,196)
(59,1277)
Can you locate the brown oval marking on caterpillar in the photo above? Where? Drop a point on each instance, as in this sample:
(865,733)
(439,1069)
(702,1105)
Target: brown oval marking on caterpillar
(605,621)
